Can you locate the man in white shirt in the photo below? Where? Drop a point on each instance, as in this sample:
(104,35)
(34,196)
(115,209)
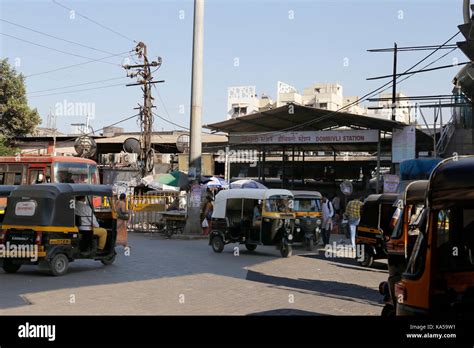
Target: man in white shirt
(89,221)
(328,213)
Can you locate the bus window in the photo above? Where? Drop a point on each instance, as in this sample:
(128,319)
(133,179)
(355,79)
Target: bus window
(94,175)
(36,177)
(71,173)
(17,179)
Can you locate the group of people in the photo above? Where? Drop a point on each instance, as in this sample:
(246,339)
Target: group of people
(331,208)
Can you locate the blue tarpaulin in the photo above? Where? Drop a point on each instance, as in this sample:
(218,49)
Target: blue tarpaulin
(418,169)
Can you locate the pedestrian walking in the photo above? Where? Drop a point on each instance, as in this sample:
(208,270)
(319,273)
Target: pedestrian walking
(336,203)
(353,215)
(122,220)
(207,215)
(328,213)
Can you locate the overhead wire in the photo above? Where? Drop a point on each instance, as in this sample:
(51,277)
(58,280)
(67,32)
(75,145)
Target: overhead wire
(94,21)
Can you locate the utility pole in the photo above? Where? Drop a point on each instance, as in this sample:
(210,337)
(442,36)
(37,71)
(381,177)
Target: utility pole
(146,115)
(193,223)
(394,83)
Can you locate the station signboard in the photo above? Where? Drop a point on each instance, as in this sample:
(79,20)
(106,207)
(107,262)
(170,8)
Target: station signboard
(308,137)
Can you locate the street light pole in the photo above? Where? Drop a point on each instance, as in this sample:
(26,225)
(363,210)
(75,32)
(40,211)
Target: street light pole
(193,223)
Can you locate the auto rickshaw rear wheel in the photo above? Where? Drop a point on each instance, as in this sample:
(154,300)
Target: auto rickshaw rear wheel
(217,243)
(59,265)
(388,311)
(251,247)
(286,250)
(367,258)
(109,260)
(10,267)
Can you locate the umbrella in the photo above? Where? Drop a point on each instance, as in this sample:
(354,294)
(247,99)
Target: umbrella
(216,182)
(176,179)
(246,184)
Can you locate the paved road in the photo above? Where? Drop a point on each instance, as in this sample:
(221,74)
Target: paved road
(187,277)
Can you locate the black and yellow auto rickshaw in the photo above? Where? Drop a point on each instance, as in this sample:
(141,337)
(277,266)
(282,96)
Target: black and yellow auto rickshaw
(253,217)
(439,278)
(408,219)
(42,227)
(374,227)
(5,191)
(308,217)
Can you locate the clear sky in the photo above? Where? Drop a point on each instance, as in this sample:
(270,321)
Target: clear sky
(297,42)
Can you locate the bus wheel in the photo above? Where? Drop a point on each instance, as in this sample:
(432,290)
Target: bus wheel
(367,259)
(10,267)
(251,247)
(59,265)
(217,243)
(286,250)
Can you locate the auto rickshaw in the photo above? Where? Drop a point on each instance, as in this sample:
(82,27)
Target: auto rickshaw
(253,217)
(308,217)
(374,226)
(408,219)
(439,278)
(42,224)
(5,191)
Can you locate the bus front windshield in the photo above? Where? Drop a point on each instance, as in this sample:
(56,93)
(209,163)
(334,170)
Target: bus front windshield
(279,204)
(75,173)
(307,205)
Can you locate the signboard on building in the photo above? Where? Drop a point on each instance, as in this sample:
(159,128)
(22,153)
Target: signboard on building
(403,144)
(309,137)
(390,183)
(241,92)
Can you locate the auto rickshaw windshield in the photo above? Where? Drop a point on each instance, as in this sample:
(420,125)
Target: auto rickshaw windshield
(279,204)
(307,205)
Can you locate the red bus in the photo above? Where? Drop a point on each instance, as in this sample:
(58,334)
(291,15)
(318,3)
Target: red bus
(26,169)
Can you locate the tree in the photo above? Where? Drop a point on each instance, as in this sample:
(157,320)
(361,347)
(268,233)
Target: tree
(16,117)
(6,150)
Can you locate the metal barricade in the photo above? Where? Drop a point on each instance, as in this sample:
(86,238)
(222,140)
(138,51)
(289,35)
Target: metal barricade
(146,211)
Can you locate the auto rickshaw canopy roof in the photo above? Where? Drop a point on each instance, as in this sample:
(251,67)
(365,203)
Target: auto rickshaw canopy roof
(6,190)
(383,198)
(306,194)
(221,198)
(49,204)
(452,182)
(415,192)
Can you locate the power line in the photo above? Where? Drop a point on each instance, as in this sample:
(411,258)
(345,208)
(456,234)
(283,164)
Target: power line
(94,21)
(55,49)
(75,65)
(91,133)
(171,122)
(77,90)
(368,95)
(77,85)
(55,37)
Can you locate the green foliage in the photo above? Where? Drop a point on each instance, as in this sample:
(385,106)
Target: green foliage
(16,117)
(5,149)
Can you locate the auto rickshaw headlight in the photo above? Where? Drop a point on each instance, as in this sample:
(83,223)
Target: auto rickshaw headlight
(319,222)
(297,221)
(290,237)
(317,229)
(298,229)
